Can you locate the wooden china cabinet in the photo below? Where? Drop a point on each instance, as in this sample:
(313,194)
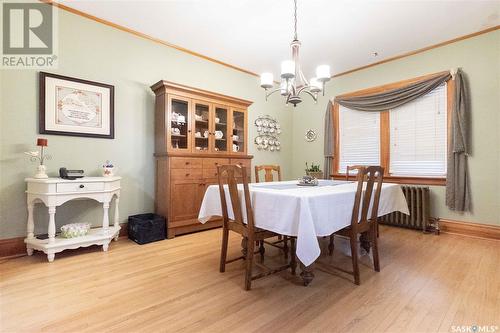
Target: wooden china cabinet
(195,130)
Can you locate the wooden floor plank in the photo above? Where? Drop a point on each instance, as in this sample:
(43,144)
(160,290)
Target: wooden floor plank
(427,283)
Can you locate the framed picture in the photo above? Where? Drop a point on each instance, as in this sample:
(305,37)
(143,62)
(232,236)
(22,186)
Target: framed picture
(70,106)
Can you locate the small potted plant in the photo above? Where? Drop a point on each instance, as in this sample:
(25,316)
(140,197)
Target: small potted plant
(314,171)
(107,169)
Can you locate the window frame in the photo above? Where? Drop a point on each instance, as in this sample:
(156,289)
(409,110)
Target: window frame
(385,133)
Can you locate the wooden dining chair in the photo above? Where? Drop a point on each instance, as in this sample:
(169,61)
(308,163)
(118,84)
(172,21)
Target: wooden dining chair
(228,175)
(350,168)
(268,176)
(360,221)
(282,242)
(356,167)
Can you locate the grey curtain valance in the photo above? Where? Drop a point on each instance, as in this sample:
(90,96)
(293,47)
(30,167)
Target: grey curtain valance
(393,98)
(457,188)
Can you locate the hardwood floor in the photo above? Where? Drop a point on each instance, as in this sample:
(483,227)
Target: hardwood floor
(427,283)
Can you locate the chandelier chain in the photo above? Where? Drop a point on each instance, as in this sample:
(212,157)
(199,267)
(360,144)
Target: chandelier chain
(295,20)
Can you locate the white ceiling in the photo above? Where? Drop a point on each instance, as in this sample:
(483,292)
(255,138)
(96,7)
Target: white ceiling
(255,34)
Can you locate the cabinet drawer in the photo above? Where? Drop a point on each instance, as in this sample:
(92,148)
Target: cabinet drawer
(79,187)
(185,174)
(185,162)
(213,163)
(210,173)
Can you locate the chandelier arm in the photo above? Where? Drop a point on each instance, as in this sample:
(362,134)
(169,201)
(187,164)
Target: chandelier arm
(315,98)
(301,89)
(304,80)
(272,92)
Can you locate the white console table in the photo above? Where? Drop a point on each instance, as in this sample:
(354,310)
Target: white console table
(54,192)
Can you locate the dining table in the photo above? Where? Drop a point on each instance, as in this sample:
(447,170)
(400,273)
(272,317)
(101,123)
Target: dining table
(304,212)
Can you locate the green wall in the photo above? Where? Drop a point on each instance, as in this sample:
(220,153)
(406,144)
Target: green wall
(479,57)
(93,51)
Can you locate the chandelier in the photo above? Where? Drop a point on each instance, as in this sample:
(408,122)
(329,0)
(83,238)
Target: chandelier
(293,82)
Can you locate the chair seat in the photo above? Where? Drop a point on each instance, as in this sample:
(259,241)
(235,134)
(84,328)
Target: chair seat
(259,234)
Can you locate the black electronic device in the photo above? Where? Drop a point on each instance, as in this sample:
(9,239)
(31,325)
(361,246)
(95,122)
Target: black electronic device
(70,174)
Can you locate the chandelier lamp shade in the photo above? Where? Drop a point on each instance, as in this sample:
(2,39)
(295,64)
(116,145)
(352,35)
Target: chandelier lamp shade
(293,82)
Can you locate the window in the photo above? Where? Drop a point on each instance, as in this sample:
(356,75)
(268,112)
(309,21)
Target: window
(410,141)
(418,136)
(359,134)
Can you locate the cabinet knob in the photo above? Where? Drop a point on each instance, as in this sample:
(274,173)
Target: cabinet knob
(82,186)
(187,163)
(189,131)
(187,174)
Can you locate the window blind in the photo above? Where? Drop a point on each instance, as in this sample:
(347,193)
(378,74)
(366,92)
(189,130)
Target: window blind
(359,134)
(418,133)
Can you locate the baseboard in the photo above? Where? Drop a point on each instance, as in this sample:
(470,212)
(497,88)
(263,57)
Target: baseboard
(476,230)
(15,247)
(12,247)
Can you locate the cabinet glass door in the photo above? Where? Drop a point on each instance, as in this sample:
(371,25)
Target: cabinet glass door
(221,132)
(202,131)
(238,131)
(180,124)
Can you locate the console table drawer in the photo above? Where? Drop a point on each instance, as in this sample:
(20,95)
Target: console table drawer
(79,187)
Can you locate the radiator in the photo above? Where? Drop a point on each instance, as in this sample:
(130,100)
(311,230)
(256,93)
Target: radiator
(418,201)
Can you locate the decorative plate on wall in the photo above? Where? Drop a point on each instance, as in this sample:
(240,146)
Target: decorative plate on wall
(311,135)
(268,130)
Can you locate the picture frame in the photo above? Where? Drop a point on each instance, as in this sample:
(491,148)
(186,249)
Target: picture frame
(75,107)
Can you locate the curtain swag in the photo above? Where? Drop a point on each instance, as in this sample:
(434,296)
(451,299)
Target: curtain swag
(457,187)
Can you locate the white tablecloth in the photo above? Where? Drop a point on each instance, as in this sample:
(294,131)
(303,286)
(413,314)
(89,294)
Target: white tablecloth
(304,212)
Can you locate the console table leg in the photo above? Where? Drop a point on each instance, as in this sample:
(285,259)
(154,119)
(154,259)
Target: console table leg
(117,213)
(52,226)
(51,256)
(105,216)
(116,223)
(29,251)
(31,224)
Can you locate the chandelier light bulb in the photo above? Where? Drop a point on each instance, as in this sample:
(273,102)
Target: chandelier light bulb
(323,73)
(266,80)
(287,69)
(316,85)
